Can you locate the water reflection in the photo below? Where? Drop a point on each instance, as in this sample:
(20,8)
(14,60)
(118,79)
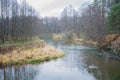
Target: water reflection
(80,63)
(63,71)
(68,68)
(18,73)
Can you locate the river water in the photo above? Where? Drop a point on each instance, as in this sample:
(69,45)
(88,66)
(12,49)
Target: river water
(80,63)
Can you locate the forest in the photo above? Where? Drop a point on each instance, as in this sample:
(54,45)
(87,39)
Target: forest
(17,21)
(96,19)
(20,21)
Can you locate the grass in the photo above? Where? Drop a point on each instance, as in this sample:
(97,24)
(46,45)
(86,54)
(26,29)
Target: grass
(35,54)
(57,36)
(40,59)
(19,42)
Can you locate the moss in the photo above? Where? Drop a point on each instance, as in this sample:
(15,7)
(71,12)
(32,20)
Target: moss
(42,59)
(35,61)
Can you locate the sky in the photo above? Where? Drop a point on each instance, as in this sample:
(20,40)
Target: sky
(55,7)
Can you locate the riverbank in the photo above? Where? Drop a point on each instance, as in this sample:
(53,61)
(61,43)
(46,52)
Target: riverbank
(28,53)
(110,44)
(72,38)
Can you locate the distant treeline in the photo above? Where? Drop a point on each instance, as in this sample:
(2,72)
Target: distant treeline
(19,21)
(92,20)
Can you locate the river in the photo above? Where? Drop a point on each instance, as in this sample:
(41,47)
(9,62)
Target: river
(80,63)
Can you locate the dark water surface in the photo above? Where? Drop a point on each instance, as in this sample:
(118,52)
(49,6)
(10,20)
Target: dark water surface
(80,63)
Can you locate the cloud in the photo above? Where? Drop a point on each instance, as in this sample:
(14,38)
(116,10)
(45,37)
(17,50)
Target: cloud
(54,7)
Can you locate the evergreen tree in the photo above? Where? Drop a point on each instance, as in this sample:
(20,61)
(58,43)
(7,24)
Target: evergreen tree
(114,19)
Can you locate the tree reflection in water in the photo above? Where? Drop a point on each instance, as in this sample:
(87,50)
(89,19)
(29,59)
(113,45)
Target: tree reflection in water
(18,73)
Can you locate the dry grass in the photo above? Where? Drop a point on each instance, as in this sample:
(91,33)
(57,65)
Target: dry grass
(57,36)
(72,38)
(83,41)
(31,55)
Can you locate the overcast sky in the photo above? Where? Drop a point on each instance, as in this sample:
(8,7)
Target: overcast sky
(55,7)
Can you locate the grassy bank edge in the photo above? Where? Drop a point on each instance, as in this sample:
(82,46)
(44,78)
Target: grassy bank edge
(37,60)
(37,53)
(43,59)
